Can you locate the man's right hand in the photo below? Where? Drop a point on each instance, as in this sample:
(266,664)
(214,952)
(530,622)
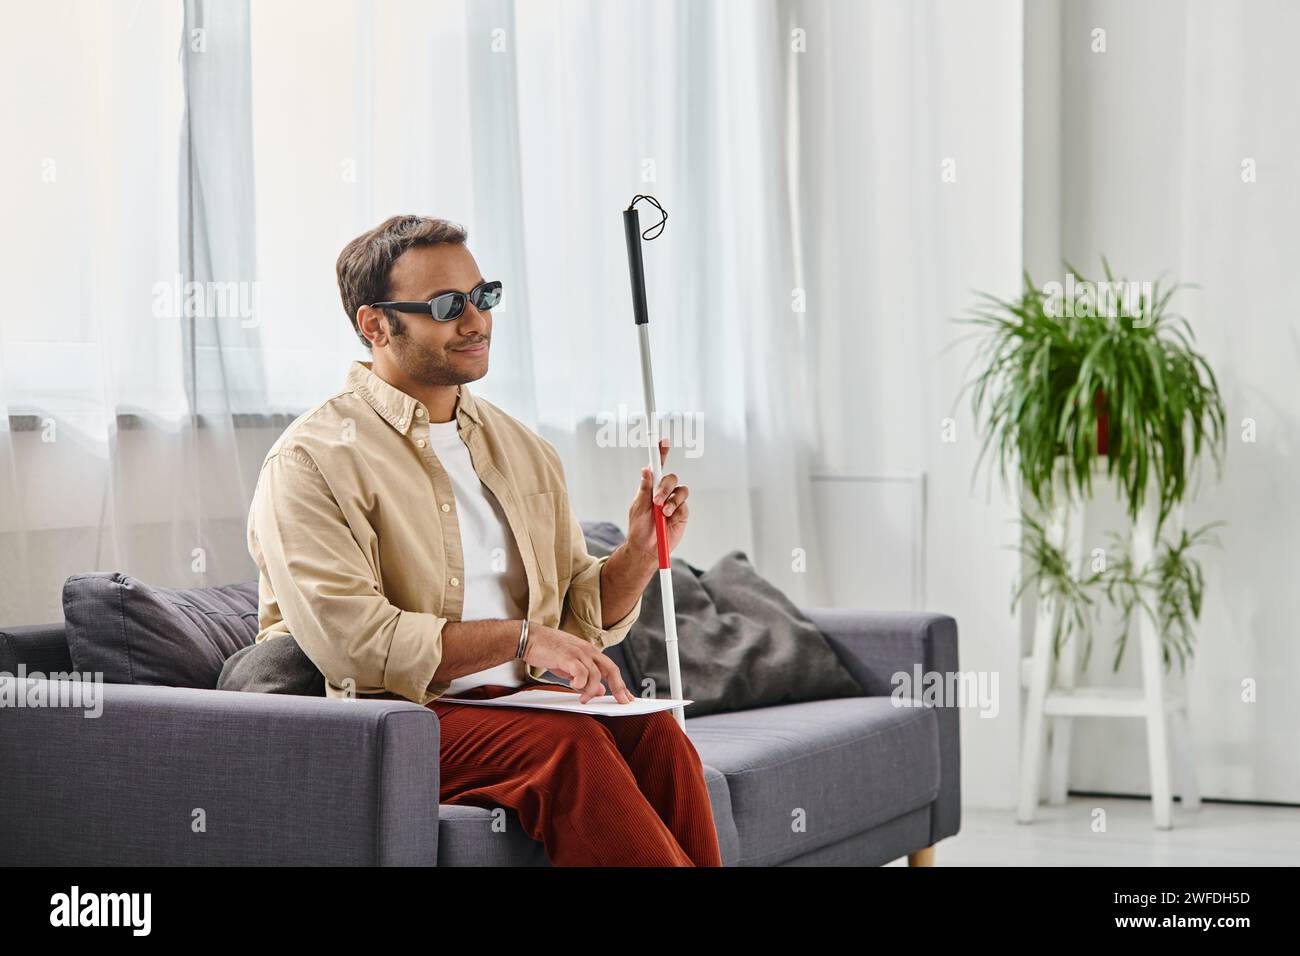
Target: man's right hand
(577,661)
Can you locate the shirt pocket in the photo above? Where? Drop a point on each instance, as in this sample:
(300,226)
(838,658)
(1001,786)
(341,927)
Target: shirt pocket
(543,529)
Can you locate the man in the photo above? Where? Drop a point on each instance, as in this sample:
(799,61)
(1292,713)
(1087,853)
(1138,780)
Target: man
(417,542)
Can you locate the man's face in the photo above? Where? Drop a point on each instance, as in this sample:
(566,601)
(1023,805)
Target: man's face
(438,353)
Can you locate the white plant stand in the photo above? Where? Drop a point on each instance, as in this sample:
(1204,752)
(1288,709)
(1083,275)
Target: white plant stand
(1054,699)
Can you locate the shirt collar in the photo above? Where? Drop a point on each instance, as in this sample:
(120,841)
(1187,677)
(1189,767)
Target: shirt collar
(395,406)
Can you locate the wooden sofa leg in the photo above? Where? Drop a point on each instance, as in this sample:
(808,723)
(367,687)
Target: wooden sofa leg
(921,857)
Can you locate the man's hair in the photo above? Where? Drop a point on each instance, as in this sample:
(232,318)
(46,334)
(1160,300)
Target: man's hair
(364,263)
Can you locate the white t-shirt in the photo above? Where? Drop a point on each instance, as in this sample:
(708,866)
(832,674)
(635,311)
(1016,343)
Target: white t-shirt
(496,586)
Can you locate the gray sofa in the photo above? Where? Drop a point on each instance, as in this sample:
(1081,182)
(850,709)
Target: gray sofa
(175,775)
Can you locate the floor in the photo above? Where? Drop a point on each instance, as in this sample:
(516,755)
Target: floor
(1219,834)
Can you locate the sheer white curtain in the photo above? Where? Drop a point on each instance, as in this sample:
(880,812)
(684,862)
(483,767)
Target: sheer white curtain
(92,394)
(910,178)
(534,124)
(697,118)
(129,351)
(246,143)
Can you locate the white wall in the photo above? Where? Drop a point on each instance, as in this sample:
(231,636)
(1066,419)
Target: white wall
(1153,135)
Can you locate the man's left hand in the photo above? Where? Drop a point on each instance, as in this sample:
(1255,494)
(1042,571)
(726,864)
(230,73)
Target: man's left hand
(641,519)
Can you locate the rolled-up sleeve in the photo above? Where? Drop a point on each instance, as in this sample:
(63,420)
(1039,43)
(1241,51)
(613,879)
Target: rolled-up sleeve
(327,592)
(582,612)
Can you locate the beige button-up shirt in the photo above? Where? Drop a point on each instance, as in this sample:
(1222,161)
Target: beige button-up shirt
(353,527)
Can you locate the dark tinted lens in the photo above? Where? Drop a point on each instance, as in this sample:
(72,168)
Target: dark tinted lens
(487,296)
(449,306)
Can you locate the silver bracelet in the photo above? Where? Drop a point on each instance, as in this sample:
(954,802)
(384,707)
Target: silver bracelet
(523,641)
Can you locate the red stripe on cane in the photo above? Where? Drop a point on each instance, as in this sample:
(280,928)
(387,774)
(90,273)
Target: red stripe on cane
(661,535)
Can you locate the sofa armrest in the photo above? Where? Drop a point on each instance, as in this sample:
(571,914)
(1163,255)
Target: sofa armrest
(168,775)
(874,647)
(36,647)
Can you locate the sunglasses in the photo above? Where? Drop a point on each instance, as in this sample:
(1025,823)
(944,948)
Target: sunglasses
(450,305)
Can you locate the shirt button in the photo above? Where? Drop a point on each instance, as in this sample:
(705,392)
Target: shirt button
(446,507)
(419,413)
(455,582)
(401,423)
(419,442)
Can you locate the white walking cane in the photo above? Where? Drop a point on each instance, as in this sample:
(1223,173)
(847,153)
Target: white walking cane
(632,232)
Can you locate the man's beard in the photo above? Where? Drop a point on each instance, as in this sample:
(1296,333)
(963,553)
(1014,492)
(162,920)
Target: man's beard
(426,366)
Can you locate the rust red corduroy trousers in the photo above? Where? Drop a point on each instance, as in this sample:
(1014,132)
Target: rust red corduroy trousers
(593,790)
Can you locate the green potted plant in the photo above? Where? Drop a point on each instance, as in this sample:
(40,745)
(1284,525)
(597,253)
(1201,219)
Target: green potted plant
(1068,383)
(1053,376)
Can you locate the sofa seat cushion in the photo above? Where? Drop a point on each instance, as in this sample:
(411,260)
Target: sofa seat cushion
(466,836)
(804,776)
(133,633)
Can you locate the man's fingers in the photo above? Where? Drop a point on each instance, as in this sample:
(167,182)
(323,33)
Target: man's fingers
(613,678)
(594,687)
(666,485)
(599,673)
(645,491)
(676,500)
(586,677)
(580,677)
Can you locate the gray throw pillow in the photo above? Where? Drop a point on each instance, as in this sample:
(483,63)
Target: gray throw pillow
(137,634)
(275,666)
(742,643)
